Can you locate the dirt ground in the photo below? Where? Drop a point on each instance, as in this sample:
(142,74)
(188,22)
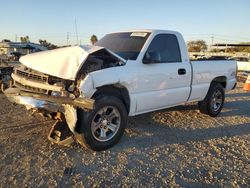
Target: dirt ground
(178,147)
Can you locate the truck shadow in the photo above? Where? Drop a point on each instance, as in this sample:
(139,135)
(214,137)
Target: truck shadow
(234,108)
(164,136)
(145,131)
(245,94)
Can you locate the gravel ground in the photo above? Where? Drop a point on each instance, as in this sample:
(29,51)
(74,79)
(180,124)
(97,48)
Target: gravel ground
(178,147)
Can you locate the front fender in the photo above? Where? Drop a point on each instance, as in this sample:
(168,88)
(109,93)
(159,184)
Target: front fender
(97,79)
(86,87)
(111,76)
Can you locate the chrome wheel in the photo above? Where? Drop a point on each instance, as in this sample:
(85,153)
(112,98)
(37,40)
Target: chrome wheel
(217,100)
(106,123)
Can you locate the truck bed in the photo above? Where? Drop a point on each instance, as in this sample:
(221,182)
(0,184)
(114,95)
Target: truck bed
(204,70)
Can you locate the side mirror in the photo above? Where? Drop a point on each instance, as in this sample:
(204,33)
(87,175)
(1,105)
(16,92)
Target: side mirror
(151,57)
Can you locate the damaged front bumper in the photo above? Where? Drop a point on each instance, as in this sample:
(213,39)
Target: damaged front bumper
(42,102)
(18,97)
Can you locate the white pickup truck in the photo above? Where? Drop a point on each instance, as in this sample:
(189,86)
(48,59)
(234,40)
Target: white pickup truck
(125,74)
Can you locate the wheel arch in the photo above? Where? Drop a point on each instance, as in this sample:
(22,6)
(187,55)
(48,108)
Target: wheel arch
(220,79)
(116,90)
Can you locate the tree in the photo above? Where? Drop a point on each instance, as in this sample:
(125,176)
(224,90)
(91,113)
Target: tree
(197,46)
(48,45)
(25,39)
(93,39)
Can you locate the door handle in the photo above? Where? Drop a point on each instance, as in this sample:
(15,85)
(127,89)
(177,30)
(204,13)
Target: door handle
(181,71)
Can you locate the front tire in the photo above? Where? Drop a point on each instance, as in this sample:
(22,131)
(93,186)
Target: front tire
(214,101)
(102,127)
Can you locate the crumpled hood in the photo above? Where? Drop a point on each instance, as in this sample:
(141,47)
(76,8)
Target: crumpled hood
(63,62)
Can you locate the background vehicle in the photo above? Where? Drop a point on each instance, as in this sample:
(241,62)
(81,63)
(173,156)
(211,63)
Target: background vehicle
(243,63)
(125,74)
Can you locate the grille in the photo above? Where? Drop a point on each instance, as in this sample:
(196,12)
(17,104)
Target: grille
(32,76)
(35,76)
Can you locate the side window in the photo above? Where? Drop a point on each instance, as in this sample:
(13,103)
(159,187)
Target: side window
(165,48)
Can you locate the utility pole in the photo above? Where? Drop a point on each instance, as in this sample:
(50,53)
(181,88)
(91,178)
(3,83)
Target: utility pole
(16,38)
(212,42)
(76,32)
(67,38)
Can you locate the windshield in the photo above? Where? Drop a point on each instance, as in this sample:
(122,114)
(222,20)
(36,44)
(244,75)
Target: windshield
(127,45)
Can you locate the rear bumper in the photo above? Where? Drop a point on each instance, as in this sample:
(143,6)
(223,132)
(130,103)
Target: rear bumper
(46,102)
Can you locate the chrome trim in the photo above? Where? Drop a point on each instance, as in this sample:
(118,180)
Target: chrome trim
(30,103)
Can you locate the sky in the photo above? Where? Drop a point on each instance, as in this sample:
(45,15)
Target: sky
(225,21)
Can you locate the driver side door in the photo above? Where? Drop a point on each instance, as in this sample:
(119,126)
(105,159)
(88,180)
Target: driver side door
(163,76)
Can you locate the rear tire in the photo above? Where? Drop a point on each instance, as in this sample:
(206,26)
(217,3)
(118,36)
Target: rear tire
(102,127)
(214,101)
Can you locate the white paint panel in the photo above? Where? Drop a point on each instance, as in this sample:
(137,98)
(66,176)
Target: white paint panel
(150,101)
(205,71)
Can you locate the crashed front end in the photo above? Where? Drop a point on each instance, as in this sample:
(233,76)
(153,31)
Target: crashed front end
(47,94)
(54,88)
